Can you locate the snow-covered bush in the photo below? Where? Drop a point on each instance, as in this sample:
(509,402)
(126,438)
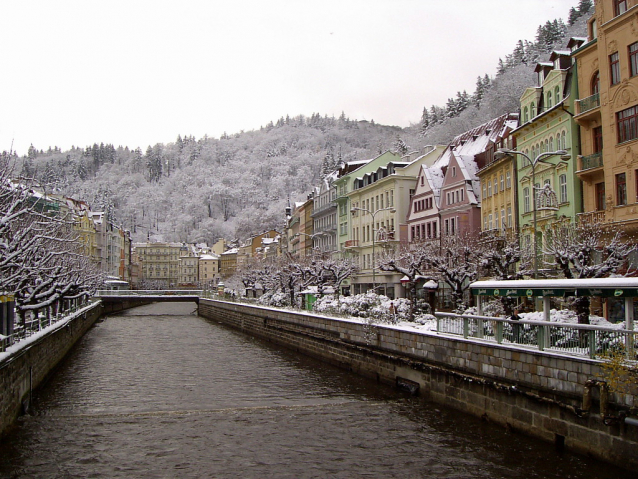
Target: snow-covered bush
(278,299)
(380,308)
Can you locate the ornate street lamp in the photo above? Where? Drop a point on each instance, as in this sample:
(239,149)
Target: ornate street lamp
(539,159)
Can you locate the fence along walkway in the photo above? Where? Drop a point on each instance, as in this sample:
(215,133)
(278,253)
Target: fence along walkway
(576,339)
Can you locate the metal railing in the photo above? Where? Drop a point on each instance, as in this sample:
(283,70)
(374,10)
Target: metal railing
(591,161)
(588,103)
(148,292)
(567,338)
(36,321)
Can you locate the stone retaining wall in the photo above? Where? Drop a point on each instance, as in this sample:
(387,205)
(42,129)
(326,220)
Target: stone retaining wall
(536,393)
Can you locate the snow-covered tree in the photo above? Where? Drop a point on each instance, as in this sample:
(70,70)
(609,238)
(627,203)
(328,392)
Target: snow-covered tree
(455,260)
(587,250)
(41,260)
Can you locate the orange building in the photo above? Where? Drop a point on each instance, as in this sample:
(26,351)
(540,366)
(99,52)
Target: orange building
(607,112)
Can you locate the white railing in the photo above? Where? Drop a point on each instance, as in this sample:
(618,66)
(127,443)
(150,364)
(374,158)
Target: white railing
(578,339)
(148,292)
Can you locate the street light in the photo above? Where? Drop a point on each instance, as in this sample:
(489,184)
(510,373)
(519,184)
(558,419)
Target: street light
(374,236)
(539,159)
(312,237)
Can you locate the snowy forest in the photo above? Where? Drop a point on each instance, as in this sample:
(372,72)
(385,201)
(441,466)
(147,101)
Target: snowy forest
(203,189)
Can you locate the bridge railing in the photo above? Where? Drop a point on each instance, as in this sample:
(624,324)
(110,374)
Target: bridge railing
(571,338)
(148,292)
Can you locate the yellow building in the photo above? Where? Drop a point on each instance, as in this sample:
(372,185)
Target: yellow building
(209,270)
(159,263)
(380,202)
(607,114)
(228,263)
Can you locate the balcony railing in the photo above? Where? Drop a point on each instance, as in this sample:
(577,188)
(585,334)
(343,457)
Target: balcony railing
(591,161)
(591,217)
(352,243)
(588,103)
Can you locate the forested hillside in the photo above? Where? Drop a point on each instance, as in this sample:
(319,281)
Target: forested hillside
(202,189)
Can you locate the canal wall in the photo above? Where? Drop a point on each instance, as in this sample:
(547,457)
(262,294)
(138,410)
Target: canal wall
(26,365)
(532,392)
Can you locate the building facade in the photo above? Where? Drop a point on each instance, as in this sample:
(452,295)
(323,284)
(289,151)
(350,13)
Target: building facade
(607,114)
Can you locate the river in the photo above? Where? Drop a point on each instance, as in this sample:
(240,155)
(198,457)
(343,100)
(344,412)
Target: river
(157,392)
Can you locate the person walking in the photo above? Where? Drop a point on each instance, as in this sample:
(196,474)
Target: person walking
(516,327)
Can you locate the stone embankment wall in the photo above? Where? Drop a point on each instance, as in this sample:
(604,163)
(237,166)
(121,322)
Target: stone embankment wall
(533,392)
(22,371)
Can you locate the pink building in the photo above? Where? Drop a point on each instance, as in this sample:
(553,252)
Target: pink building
(447,199)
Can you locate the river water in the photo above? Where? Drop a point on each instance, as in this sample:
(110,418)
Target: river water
(157,392)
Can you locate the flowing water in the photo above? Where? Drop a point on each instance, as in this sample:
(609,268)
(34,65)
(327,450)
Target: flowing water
(157,392)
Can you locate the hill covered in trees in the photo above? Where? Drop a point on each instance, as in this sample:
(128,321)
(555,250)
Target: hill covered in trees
(202,189)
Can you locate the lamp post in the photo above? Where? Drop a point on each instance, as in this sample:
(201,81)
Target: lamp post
(311,236)
(374,236)
(539,159)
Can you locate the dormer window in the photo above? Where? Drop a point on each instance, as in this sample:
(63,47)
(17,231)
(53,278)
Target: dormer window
(525,115)
(533,110)
(549,100)
(557,94)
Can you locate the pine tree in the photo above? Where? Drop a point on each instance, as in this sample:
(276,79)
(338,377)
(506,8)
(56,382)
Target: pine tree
(425,121)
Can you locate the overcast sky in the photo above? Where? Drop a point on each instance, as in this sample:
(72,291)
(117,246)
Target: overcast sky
(141,72)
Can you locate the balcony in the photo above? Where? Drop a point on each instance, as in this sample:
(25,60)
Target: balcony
(589,164)
(591,217)
(589,103)
(322,209)
(352,244)
(588,108)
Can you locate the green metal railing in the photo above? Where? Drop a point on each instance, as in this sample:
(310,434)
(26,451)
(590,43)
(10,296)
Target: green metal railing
(591,161)
(589,103)
(570,338)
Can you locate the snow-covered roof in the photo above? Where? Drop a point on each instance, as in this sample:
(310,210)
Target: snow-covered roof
(209,257)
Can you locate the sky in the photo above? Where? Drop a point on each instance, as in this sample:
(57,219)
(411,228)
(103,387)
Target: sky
(135,72)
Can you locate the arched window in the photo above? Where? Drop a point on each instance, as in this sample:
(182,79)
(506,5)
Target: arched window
(551,143)
(549,100)
(595,83)
(547,145)
(557,94)
(563,141)
(525,115)
(533,110)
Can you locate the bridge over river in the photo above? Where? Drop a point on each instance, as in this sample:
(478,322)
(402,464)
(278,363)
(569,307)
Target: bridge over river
(157,391)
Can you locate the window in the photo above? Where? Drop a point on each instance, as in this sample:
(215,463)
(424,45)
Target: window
(489,188)
(595,83)
(557,94)
(563,141)
(495,186)
(562,182)
(489,221)
(508,178)
(551,143)
(621,189)
(598,139)
(509,216)
(525,115)
(627,124)
(502,183)
(454,171)
(549,100)
(503,218)
(614,68)
(620,7)
(526,205)
(533,109)
(633,59)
